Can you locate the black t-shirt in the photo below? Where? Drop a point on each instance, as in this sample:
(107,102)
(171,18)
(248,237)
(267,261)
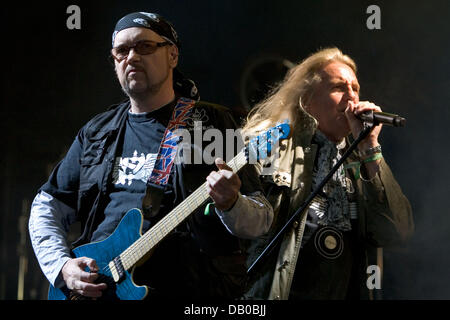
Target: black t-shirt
(133,166)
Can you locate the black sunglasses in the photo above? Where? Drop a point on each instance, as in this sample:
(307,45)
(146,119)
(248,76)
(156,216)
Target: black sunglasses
(142,47)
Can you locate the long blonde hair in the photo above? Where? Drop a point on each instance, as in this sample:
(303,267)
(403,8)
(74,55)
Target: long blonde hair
(292,94)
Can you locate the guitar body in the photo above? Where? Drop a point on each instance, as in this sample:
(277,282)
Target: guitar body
(126,233)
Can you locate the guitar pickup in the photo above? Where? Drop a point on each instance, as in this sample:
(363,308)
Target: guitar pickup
(117,269)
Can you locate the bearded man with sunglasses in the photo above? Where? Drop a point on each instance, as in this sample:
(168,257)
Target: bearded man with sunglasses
(118,161)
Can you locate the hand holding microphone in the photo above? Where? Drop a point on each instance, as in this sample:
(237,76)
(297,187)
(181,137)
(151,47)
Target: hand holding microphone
(365,111)
(353,114)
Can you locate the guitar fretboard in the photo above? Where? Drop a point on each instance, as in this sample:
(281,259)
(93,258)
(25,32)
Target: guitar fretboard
(153,236)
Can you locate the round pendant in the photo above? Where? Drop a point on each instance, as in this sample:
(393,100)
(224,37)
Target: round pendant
(329,242)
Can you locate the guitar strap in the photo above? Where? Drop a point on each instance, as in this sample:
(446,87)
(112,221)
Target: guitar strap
(166,156)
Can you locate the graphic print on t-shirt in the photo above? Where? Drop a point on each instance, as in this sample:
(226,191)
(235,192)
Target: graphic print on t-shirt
(135,168)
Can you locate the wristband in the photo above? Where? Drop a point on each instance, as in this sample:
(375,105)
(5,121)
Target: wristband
(357,165)
(374,157)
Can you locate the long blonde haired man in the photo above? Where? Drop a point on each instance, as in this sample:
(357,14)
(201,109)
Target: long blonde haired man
(325,254)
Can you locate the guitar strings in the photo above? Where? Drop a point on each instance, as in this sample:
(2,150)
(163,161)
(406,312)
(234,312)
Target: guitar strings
(133,253)
(153,236)
(159,231)
(174,218)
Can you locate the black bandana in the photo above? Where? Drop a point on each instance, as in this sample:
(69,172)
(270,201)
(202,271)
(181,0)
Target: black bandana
(182,85)
(150,21)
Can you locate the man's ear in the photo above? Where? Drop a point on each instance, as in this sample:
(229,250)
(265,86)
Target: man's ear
(173,56)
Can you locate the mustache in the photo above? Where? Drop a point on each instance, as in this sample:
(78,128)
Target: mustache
(134,68)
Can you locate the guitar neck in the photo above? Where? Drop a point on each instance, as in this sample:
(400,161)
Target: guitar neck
(153,236)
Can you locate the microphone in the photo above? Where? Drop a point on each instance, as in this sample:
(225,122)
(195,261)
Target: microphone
(382,117)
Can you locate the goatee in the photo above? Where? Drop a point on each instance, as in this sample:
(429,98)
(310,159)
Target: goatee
(142,94)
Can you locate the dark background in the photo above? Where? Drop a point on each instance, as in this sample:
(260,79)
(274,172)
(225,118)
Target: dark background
(55,79)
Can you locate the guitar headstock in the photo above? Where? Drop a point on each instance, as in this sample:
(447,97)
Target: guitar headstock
(262,145)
